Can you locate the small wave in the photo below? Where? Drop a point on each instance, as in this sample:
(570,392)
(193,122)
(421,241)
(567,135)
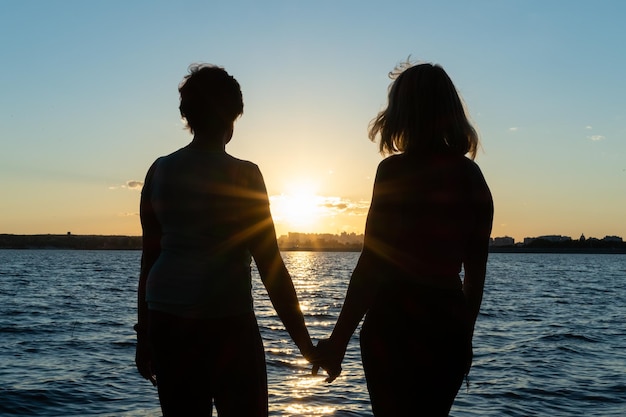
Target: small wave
(568,336)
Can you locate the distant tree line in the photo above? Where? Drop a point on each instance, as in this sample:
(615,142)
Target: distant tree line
(70,241)
(580,243)
(566,245)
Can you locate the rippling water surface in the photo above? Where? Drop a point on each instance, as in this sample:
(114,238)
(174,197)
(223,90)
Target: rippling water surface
(550,341)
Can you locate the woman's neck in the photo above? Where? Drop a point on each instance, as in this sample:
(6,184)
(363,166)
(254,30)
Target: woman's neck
(213,141)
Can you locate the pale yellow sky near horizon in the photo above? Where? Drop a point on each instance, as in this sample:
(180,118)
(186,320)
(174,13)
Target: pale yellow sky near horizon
(89,100)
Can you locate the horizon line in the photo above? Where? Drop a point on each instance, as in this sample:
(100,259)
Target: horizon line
(278,236)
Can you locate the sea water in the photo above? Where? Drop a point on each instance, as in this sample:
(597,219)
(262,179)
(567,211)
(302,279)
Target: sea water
(550,339)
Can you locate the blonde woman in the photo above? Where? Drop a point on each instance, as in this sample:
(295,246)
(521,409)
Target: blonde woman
(430,217)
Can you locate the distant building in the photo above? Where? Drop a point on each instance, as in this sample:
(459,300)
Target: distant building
(549,238)
(503,241)
(319,241)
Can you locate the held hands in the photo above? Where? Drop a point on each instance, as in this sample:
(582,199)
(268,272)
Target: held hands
(328,356)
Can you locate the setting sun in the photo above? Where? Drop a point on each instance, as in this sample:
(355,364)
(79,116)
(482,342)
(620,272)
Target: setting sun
(302,207)
(299,207)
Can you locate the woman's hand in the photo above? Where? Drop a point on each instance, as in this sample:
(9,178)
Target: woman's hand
(469,358)
(143,360)
(328,356)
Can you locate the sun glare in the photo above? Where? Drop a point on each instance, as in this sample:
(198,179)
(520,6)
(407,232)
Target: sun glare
(299,207)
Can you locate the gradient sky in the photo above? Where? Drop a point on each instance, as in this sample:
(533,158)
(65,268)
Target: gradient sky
(89,99)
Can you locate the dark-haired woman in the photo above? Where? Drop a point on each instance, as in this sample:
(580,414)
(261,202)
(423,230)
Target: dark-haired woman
(205,215)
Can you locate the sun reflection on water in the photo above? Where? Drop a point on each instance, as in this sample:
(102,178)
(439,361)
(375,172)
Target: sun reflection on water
(303,388)
(308,410)
(320,282)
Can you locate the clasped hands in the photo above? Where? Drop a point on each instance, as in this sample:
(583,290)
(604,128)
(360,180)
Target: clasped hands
(328,356)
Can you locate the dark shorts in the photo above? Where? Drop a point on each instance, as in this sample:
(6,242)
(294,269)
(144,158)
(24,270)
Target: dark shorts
(201,362)
(415,346)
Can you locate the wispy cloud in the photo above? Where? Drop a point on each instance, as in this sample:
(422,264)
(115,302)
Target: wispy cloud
(130,185)
(588,127)
(595,138)
(338,205)
(134,185)
(513,129)
(128,214)
(325,206)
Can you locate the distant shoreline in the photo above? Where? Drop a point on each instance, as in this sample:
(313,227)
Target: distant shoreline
(592,251)
(120,242)
(70,241)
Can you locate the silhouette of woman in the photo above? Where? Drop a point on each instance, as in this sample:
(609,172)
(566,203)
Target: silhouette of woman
(205,215)
(430,217)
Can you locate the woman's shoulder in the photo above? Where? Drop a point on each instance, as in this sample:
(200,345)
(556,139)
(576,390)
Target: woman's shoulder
(390,167)
(243,164)
(176,157)
(453,164)
(392,161)
(472,167)
(422,162)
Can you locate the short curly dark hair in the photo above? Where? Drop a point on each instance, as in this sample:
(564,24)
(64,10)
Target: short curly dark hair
(210,98)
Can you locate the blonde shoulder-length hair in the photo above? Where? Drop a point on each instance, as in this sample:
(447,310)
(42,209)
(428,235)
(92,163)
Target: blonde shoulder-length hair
(424,114)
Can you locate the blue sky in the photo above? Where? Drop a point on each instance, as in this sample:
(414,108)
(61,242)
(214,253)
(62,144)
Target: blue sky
(89,100)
